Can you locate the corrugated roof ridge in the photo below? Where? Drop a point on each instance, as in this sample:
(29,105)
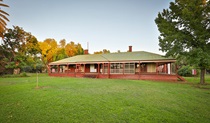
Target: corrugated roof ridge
(102,55)
(124,52)
(135,52)
(153,53)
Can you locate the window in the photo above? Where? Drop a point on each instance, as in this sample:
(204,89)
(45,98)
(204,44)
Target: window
(116,68)
(129,68)
(104,68)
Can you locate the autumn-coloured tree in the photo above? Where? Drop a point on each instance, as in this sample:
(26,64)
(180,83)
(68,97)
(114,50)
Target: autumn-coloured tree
(3,18)
(70,49)
(73,49)
(79,49)
(102,52)
(51,51)
(49,48)
(61,54)
(62,43)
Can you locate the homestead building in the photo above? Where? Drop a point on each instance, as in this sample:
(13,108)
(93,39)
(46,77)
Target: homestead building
(124,65)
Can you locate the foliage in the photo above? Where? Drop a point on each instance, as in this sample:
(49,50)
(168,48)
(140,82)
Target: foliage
(34,65)
(3,19)
(51,51)
(101,100)
(24,74)
(184,31)
(61,50)
(102,52)
(73,49)
(185,71)
(79,49)
(19,48)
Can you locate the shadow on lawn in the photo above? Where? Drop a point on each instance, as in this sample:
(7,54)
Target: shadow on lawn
(204,86)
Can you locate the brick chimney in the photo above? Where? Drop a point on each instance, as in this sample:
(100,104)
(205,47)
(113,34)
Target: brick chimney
(86,52)
(130,49)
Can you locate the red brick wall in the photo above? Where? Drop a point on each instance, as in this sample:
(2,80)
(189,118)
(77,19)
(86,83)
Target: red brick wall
(159,77)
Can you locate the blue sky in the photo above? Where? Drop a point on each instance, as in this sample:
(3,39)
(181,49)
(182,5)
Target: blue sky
(105,24)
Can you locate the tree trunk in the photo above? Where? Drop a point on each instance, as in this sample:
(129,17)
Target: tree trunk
(202,76)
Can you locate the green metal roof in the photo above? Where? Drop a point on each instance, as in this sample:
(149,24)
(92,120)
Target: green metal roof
(112,57)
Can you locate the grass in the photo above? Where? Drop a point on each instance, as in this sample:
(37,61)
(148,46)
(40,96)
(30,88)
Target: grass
(196,80)
(101,100)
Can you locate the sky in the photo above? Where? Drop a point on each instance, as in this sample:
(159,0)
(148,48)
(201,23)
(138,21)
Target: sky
(95,24)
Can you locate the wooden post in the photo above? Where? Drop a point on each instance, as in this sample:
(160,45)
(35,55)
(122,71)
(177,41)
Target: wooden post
(58,68)
(109,70)
(49,69)
(123,68)
(84,68)
(75,71)
(165,69)
(157,68)
(98,70)
(103,71)
(67,68)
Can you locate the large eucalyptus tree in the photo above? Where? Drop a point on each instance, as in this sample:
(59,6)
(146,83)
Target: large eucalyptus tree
(185,31)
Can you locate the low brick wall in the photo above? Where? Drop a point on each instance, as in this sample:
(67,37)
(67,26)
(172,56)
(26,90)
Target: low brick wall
(156,77)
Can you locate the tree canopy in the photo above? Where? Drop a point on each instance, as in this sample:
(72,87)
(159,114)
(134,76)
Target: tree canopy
(18,49)
(102,52)
(185,31)
(52,51)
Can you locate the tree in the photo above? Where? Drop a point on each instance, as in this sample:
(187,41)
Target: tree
(3,19)
(73,49)
(17,49)
(12,49)
(185,31)
(51,51)
(79,49)
(62,43)
(61,54)
(102,52)
(70,49)
(49,48)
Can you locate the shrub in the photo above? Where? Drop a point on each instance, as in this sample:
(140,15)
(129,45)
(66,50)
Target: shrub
(24,74)
(185,71)
(26,68)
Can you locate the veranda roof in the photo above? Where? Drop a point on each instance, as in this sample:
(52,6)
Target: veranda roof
(113,57)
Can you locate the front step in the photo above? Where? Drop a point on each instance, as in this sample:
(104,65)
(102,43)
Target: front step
(181,78)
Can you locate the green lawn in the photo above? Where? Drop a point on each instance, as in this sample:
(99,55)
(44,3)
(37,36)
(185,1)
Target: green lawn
(102,100)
